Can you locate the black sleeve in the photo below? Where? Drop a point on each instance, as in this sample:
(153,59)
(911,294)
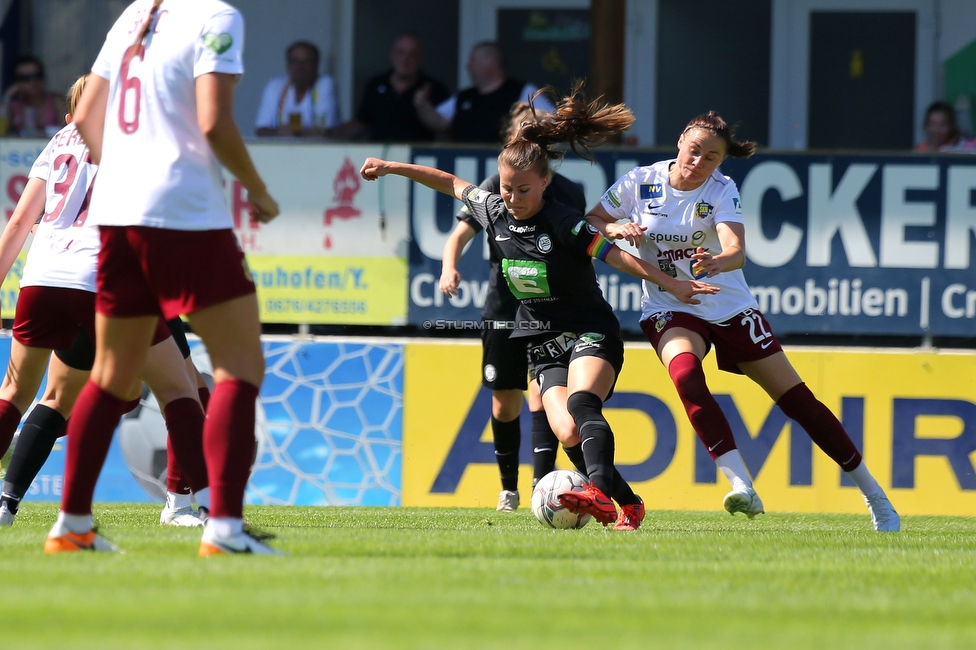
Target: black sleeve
(573,231)
(438,92)
(484,206)
(490,184)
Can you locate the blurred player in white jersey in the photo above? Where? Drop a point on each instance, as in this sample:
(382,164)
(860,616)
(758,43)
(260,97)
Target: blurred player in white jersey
(157,115)
(56,311)
(685,216)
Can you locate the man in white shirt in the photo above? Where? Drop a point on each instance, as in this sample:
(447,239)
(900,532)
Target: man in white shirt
(301,103)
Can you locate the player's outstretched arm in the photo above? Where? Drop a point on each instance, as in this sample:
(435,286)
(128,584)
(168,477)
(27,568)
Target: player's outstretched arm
(600,219)
(683,290)
(433,178)
(29,208)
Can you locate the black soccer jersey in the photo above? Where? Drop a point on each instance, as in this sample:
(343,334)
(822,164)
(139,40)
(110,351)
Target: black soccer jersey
(500,304)
(547,264)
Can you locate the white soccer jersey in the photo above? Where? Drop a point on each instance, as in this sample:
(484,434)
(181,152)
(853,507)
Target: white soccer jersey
(157,168)
(677,223)
(64,252)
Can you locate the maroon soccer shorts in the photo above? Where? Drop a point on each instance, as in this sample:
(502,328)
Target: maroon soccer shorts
(744,337)
(146,271)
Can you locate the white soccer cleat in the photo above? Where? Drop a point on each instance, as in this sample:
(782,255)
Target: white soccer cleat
(508,501)
(185,516)
(247,542)
(6,517)
(745,500)
(883,514)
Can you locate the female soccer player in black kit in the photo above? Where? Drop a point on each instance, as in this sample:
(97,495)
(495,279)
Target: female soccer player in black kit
(504,364)
(545,249)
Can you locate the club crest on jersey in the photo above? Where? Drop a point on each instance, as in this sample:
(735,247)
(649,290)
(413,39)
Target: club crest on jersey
(589,227)
(661,320)
(544,244)
(490,373)
(703,210)
(219,43)
(651,191)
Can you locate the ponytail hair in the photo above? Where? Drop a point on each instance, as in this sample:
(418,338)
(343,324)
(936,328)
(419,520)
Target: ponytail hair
(74,93)
(713,122)
(531,144)
(144,30)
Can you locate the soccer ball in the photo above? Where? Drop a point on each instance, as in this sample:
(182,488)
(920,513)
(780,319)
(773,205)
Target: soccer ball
(142,435)
(545,505)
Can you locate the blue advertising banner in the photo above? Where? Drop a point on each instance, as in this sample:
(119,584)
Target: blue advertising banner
(329,431)
(836,244)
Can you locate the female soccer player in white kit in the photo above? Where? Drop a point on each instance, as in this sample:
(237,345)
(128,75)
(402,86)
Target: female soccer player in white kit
(158,119)
(56,311)
(684,216)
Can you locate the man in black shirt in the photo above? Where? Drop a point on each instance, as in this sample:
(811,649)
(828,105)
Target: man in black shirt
(387,112)
(476,114)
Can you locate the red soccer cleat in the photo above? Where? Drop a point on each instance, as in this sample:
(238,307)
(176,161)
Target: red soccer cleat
(630,516)
(590,501)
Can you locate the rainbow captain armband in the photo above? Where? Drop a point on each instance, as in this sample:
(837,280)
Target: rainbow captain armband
(599,248)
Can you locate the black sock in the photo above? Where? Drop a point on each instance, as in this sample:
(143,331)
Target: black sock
(575,454)
(544,446)
(508,437)
(596,438)
(41,430)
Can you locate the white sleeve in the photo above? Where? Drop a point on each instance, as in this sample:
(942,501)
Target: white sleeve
(620,200)
(268,110)
(448,108)
(42,164)
(220,47)
(729,210)
(105,62)
(328,105)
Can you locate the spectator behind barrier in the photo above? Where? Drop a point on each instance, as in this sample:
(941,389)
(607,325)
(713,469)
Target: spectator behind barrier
(27,109)
(301,103)
(476,114)
(387,112)
(942,131)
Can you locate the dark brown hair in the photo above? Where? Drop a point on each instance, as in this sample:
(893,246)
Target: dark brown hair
(580,123)
(148,23)
(713,122)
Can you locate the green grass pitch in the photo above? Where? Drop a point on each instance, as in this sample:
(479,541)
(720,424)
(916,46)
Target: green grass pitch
(472,578)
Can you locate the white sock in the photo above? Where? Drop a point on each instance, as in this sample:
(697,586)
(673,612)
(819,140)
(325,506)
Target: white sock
(226,526)
(76,523)
(734,469)
(177,501)
(864,481)
(202,498)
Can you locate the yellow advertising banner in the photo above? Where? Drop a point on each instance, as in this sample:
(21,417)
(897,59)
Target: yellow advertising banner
(327,289)
(10,289)
(913,414)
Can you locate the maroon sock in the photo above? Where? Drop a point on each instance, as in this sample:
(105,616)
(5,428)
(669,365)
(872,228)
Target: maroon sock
(184,424)
(821,425)
(90,428)
(204,394)
(704,412)
(228,442)
(174,473)
(9,419)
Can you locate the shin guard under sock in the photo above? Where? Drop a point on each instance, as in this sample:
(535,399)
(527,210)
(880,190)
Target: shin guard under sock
(40,432)
(94,418)
(544,446)
(823,427)
(228,444)
(703,411)
(596,438)
(508,438)
(9,419)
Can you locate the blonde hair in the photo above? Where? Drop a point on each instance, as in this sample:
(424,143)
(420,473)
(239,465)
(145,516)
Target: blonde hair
(74,93)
